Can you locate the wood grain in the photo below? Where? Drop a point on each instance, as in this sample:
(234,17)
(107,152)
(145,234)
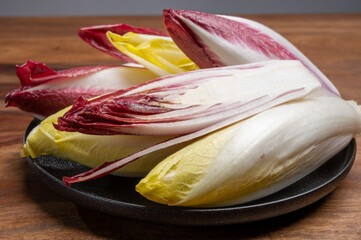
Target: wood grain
(29,210)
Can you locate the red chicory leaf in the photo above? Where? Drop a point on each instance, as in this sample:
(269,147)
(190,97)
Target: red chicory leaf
(96,37)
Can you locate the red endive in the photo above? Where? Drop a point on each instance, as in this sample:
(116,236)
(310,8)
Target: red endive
(213,40)
(44,91)
(184,103)
(96,37)
(190,104)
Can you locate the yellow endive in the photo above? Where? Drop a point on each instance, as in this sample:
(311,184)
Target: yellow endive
(255,157)
(91,150)
(158,54)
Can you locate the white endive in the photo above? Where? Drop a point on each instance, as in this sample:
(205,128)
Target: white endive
(255,157)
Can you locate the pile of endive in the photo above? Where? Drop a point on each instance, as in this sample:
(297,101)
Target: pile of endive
(219,111)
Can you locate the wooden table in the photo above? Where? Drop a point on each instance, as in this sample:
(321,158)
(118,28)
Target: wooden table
(30,210)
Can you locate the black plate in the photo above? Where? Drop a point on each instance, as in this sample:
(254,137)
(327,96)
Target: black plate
(116,195)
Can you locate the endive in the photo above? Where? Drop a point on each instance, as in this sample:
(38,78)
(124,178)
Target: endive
(214,40)
(91,150)
(187,102)
(255,157)
(44,91)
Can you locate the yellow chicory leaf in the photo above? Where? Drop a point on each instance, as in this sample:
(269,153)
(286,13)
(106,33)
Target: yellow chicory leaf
(159,54)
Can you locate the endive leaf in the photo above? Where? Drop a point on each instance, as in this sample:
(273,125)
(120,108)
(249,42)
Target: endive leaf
(44,91)
(159,54)
(213,40)
(96,37)
(255,157)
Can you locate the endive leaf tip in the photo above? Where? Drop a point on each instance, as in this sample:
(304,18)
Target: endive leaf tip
(32,72)
(24,152)
(110,35)
(66,181)
(8,98)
